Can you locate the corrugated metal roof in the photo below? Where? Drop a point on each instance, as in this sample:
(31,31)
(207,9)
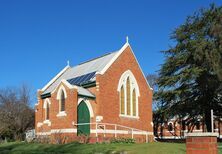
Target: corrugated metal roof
(84,92)
(95,65)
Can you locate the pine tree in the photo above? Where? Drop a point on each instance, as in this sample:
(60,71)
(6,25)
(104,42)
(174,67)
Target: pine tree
(190,80)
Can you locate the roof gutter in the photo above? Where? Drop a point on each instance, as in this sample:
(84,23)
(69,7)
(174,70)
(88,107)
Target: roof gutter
(45,95)
(89,84)
(90,97)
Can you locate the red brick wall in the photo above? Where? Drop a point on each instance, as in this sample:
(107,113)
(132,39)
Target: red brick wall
(201,145)
(38,109)
(107,100)
(63,122)
(94,104)
(70,109)
(108,97)
(177,130)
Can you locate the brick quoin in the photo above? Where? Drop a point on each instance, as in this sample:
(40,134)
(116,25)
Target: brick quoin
(106,104)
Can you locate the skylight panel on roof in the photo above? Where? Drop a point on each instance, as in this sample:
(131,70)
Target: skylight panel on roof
(83,79)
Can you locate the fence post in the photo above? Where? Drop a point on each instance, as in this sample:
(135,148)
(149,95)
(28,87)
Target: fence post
(115,131)
(104,134)
(212,120)
(132,133)
(96,133)
(146,137)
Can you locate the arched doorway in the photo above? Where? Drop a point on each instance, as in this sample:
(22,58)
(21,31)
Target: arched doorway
(83,116)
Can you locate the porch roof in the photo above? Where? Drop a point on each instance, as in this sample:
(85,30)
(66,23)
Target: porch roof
(84,92)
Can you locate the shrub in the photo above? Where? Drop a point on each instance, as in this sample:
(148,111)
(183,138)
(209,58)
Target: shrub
(83,138)
(42,139)
(59,138)
(123,140)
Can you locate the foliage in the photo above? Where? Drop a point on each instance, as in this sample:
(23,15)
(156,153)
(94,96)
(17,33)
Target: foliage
(122,140)
(44,139)
(190,80)
(83,138)
(16,116)
(152,80)
(59,138)
(158,112)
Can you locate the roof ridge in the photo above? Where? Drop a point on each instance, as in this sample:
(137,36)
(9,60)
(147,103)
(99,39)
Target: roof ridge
(96,58)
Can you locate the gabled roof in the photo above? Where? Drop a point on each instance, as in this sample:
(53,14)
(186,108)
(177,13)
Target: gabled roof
(68,73)
(95,66)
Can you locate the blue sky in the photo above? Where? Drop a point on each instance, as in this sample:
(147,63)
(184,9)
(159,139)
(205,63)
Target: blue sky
(38,37)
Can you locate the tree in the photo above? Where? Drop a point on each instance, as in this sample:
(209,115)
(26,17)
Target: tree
(190,80)
(16,115)
(158,111)
(152,80)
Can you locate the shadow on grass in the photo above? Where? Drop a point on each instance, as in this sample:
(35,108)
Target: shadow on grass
(23,148)
(9,147)
(35,148)
(76,148)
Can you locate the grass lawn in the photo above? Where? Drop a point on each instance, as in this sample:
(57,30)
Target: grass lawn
(31,148)
(150,148)
(220,148)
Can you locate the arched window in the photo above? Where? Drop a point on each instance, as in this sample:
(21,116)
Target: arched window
(170,127)
(122,100)
(46,107)
(134,102)
(129,92)
(62,101)
(128,96)
(47,112)
(61,97)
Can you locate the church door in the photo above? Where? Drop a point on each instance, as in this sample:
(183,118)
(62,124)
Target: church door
(83,116)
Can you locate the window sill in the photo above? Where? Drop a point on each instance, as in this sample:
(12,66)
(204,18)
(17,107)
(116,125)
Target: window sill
(128,116)
(47,122)
(61,114)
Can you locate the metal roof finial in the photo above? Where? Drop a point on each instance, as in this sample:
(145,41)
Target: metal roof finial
(127,39)
(67,62)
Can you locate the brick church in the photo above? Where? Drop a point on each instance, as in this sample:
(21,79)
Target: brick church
(106,97)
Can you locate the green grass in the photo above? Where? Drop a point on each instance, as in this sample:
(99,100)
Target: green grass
(220,148)
(150,148)
(34,148)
